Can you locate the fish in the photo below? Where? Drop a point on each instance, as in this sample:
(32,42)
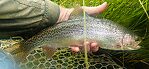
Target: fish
(107,33)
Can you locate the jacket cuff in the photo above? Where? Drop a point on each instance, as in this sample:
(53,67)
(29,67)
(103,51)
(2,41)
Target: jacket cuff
(52,12)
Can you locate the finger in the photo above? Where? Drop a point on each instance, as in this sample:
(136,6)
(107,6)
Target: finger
(75,49)
(87,44)
(94,47)
(64,14)
(95,10)
(102,7)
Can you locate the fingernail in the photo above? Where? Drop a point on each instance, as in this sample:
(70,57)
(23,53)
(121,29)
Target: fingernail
(94,45)
(103,7)
(105,3)
(75,49)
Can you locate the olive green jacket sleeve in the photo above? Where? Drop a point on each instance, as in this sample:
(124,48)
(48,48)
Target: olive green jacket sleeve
(18,16)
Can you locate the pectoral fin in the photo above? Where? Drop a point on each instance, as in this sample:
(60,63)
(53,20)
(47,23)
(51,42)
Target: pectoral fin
(48,50)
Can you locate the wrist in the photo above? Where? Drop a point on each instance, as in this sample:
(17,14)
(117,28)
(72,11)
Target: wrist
(64,14)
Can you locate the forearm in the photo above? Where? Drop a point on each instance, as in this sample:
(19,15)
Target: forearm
(17,15)
(64,14)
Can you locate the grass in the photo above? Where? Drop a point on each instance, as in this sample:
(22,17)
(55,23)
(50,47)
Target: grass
(133,14)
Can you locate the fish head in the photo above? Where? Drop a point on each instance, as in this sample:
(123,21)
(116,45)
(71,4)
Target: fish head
(128,42)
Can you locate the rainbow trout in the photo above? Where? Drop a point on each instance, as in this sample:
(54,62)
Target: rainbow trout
(105,32)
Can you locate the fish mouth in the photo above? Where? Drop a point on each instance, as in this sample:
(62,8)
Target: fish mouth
(132,46)
(135,46)
(130,42)
(124,45)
